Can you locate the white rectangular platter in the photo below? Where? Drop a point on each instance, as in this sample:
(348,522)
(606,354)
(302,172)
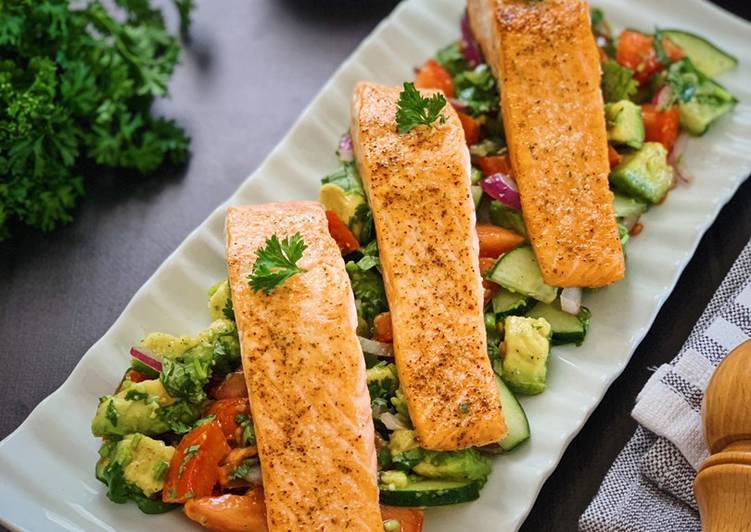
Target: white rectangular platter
(47,465)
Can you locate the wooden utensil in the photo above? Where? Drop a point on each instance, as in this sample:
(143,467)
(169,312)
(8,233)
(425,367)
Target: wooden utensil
(723,485)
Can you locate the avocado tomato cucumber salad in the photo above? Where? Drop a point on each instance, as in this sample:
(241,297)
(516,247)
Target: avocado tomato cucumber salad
(178,430)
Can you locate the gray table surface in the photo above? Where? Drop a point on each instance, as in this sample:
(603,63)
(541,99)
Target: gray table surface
(251,66)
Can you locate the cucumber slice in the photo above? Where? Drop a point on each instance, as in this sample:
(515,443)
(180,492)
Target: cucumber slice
(567,328)
(476,194)
(506,303)
(516,419)
(431,493)
(626,207)
(518,272)
(707,57)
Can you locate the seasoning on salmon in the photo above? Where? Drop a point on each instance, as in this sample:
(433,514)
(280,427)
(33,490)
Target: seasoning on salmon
(306,375)
(418,186)
(546,58)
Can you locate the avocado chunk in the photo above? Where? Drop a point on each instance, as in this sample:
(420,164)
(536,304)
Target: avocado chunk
(644,174)
(625,123)
(344,204)
(626,207)
(220,301)
(403,440)
(134,468)
(166,345)
(382,380)
(466,464)
(527,346)
(135,408)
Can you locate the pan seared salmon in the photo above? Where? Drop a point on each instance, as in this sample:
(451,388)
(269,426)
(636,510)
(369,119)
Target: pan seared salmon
(306,376)
(545,56)
(418,186)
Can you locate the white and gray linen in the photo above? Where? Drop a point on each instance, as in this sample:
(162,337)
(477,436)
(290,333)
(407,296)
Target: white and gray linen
(650,485)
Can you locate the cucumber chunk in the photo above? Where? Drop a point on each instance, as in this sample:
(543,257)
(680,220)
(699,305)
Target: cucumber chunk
(626,207)
(516,419)
(708,102)
(431,493)
(707,57)
(567,328)
(506,303)
(644,174)
(519,272)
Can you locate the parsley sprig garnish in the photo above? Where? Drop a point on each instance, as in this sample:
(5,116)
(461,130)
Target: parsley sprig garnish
(414,110)
(276,262)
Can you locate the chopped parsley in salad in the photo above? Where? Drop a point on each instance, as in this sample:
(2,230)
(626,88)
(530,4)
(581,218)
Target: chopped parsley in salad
(178,429)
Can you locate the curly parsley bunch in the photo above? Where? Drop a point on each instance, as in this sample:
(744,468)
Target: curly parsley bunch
(76,87)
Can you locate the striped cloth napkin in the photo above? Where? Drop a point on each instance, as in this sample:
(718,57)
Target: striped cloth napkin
(650,485)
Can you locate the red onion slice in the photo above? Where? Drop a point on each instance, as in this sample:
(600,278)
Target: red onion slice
(470,48)
(674,160)
(146,359)
(373,347)
(345,151)
(571,300)
(503,188)
(663,98)
(458,105)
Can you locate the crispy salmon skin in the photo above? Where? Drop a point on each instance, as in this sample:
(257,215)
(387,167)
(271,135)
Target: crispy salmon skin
(546,58)
(306,376)
(418,186)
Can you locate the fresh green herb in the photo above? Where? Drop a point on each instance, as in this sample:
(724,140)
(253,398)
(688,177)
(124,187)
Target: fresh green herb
(180,416)
(414,110)
(226,354)
(76,87)
(160,469)
(600,26)
(186,377)
(190,453)
(248,435)
(370,258)
(452,59)
(464,408)
(135,395)
(408,459)
(204,420)
(659,47)
(112,413)
(383,457)
(345,177)
(243,469)
(189,495)
(229,310)
(382,380)
(276,263)
(477,89)
(378,406)
(362,224)
(370,295)
(618,82)
(684,81)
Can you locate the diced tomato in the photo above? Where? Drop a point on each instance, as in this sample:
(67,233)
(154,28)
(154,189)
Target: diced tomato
(661,126)
(232,386)
(382,328)
(472,129)
(490,288)
(230,513)
(136,376)
(225,411)
(432,75)
(194,469)
(613,157)
(495,164)
(496,240)
(410,519)
(636,51)
(341,234)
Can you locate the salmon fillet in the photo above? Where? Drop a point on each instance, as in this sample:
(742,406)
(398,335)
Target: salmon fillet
(306,376)
(546,58)
(418,185)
